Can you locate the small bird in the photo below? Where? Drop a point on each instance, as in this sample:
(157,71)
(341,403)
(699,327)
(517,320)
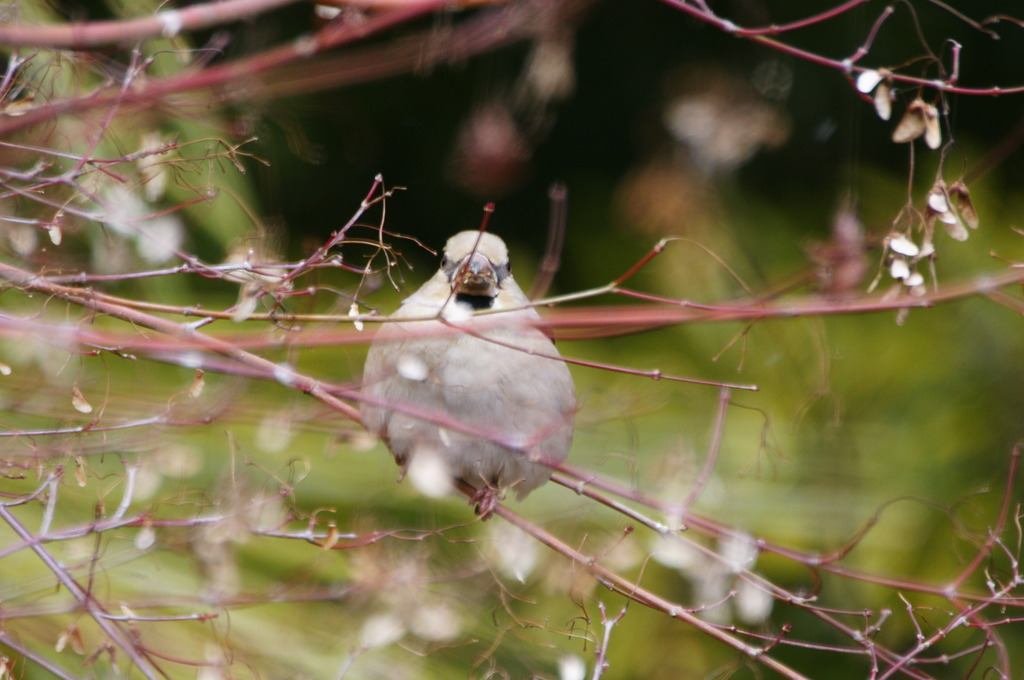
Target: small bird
(467,395)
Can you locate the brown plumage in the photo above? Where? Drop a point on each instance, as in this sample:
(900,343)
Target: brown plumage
(480,395)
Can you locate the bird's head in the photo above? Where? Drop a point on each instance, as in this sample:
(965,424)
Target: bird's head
(476,265)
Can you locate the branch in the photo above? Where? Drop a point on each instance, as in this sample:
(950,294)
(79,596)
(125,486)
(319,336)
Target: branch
(167,23)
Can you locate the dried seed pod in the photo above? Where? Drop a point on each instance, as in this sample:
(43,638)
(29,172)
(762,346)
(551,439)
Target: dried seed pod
(198,384)
(938,198)
(913,123)
(899,269)
(902,245)
(353,312)
(868,80)
(79,401)
(883,100)
(964,204)
(881,82)
(956,229)
(932,128)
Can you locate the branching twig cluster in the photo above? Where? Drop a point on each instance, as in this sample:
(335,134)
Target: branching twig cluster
(730,552)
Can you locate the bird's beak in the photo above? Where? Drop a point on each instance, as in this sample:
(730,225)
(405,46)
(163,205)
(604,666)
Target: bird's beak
(476,277)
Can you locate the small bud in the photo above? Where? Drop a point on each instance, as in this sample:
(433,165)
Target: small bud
(899,269)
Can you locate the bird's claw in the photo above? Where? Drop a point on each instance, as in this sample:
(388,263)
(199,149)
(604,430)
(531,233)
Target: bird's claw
(485,499)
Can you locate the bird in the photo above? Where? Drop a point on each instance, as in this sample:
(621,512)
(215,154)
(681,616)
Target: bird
(462,384)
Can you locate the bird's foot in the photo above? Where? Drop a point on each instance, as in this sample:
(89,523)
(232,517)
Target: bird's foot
(485,499)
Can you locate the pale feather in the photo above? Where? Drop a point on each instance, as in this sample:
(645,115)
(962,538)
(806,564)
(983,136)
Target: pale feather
(491,401)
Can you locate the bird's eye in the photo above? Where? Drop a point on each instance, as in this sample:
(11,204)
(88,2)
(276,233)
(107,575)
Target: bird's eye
(445,262)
